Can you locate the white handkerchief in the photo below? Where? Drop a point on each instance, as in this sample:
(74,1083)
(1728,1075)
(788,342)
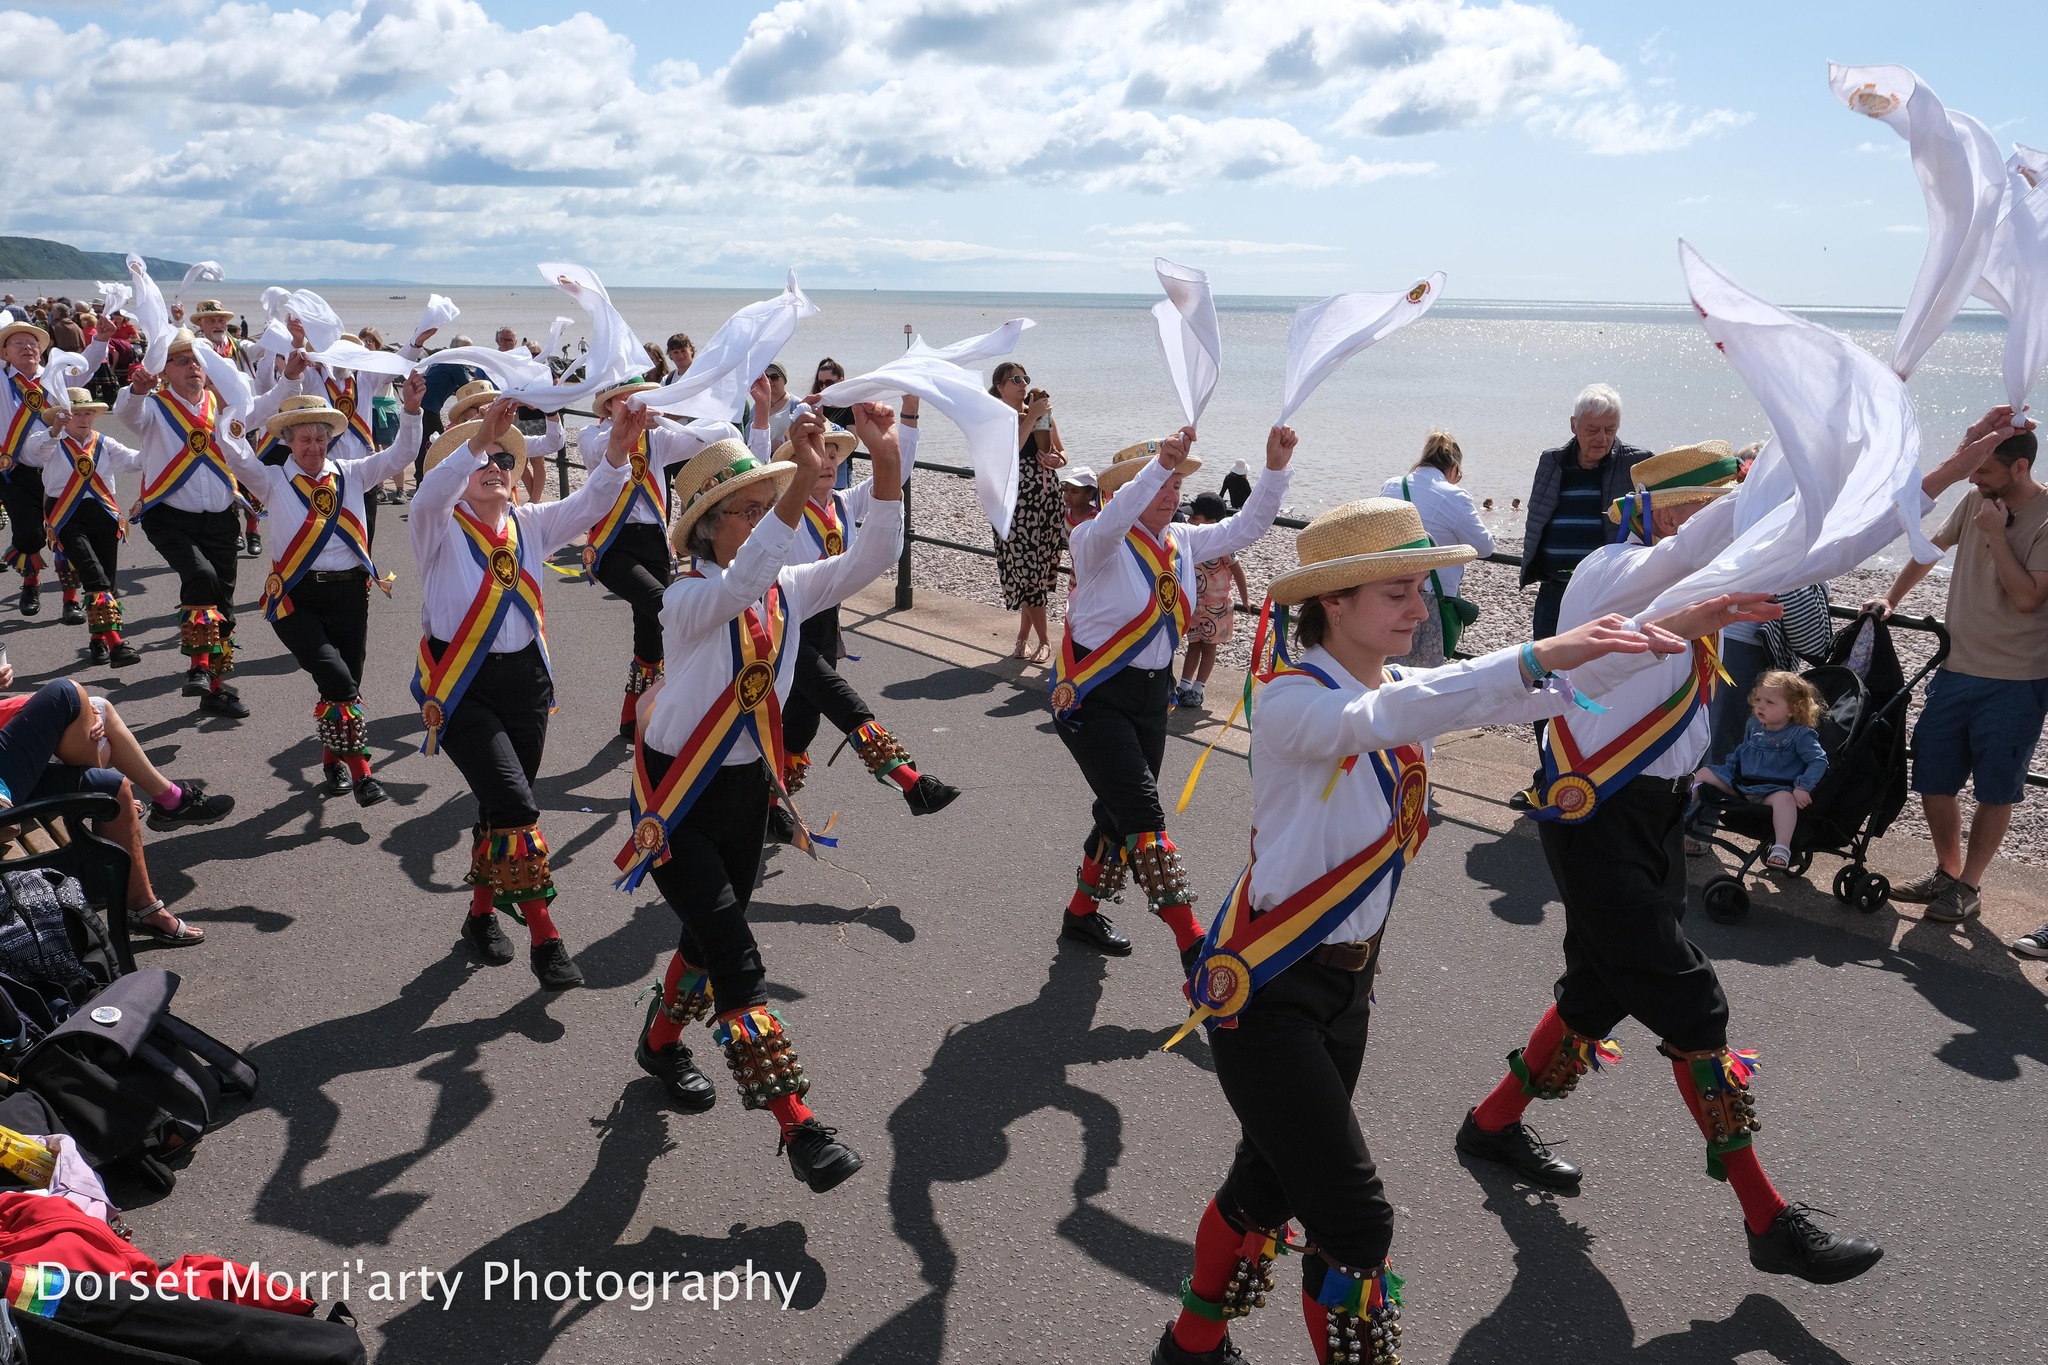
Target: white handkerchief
(1964,181)
(113,297)
(439,312)
(2029,163)
(1189,340)
(614,352)
(557,331)
(152,316)
(228,381)
(974,350)
(205,270)
(2015,282)
(61,370)
(988,423)
(350,355)
(1327,334)
(737,354)
(321,324)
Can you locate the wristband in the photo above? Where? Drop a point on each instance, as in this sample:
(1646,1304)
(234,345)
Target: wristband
(1540,675)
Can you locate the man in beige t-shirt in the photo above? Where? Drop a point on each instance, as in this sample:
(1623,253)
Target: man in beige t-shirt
(1985,705)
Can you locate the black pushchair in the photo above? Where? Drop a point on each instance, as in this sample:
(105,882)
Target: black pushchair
(1863,729)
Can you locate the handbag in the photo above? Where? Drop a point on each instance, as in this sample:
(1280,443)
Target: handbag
(1454,612)
(1805,633)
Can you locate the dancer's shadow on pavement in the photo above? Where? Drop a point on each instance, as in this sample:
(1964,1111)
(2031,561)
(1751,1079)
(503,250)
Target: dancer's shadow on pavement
(954,1128)
(1561,1310)
(1510,866)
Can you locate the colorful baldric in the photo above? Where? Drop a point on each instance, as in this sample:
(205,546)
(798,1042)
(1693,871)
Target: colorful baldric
(29,402)
(1166,609)
(1246,948)
(326,516)
(1574,784)
(235,353)
(84,483)
(36,1289)
(508,586)
(642,489)
(746,705)
(198,448)
(342,398)
(826,525)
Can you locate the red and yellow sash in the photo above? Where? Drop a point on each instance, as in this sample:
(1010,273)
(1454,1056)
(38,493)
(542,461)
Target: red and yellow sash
(1166,609)
(326,515)
(1574,784)
(199,448)
(1246,948)
(747,704)
(342,398)
(29,401)
(642,489)
(508,585)
(826,525)
(231,351)
(85,482)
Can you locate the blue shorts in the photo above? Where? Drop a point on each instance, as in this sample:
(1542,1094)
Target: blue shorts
(1982,728)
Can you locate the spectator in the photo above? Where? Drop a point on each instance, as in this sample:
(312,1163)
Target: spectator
(1575,485)
(657,364)
(782,409)
(442,382)
(1211,623)
(1028,561)
(506,339)
(682,353)
(1984,706)
(64,333)
(830,372)
(1450,519)
(1237,485)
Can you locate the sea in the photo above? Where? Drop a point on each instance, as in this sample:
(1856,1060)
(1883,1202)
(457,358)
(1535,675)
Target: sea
(1500,376)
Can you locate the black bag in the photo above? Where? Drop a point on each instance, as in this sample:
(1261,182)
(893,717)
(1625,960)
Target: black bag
(1805,633)
(133,1083)
(52,940)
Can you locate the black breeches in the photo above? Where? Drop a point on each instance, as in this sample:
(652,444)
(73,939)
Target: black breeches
(637,567)
(92,542)
(21,492)
(1119,741)
(327,630)
(203,549)
(497,731)
(819,690)
(708,880)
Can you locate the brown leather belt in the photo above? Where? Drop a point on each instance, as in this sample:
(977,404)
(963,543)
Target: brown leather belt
(1349,957)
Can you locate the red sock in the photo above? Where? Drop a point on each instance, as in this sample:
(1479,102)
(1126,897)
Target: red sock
(540,925)
(70,597)
(1505,1105)
(1216,1248)
(904,776)
(1318,1319)
(480,900)
(217,680)
(629,708)
(358,766)
(790,1111)
(1091,873)
(663,1030)
(1761,1202)
(1181,919)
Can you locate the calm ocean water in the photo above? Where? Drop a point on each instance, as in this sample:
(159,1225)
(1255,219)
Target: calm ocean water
(1501,376)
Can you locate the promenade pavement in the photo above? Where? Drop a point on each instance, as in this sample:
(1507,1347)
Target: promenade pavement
(1035,1162)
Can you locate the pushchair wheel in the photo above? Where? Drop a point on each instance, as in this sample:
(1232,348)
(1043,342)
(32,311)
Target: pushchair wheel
(1872,891)
(1726,900)
(1801,861)
(1845,883)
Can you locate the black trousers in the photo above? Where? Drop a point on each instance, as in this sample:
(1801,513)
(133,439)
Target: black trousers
(819,691)
(21,492)
(714,859)
(497,731)
(1288,1070)
(637,567)
(92,542)
(327,630)
(1118,737)
(203,549)
(1621,875)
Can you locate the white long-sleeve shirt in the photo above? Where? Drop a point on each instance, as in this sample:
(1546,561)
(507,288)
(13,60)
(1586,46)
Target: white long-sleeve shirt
(667,446)
(695,614)
(1110,587)
(1447,515)
(851,506)
(273,484)
(450,575)
(95,356)
(56,455)
(162,443)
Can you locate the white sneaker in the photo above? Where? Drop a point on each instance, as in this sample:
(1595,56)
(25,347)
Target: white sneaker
(2032,945)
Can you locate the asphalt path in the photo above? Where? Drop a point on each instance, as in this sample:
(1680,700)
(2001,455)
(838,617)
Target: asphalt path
(1035,1163)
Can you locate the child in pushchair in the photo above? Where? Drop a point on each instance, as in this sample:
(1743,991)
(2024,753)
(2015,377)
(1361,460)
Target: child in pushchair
(1779,760)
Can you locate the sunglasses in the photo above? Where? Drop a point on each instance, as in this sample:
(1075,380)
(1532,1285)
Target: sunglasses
(504,459)
(1018,379)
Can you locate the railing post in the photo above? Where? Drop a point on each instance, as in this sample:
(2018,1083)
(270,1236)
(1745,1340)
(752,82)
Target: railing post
(562,468)
(903,563)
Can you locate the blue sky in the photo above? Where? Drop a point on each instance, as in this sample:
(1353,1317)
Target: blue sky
(1530,151)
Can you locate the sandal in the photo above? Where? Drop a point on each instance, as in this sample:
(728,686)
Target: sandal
(1779,858)
(1694,848)
(178,935)
(1022,651)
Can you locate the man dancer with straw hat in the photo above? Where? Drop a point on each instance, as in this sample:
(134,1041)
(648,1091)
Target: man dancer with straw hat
(1611,803)
(1113,679)
(483,681)
(708,758)
(212,319)
(82,513)
(1340,802)
(22,404)
(317,594)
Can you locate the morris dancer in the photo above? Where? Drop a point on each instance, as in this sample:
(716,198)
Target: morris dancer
(188,509)
(478,394)
(317,594)
(82,513)
(483,681)
(1612,800)
(832,519)
(22,401)
(627,549)
(1113,680)
(1340,801)
(700,785)
(211,320)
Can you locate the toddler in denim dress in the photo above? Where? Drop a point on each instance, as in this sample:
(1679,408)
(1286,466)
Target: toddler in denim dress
(1780,758)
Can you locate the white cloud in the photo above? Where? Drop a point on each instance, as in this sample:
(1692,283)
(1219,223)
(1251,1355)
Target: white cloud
(1907,229)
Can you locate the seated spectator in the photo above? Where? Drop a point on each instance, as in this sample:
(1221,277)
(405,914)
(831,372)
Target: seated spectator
(1780,759)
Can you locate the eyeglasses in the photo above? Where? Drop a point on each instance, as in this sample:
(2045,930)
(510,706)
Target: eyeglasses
(752,511)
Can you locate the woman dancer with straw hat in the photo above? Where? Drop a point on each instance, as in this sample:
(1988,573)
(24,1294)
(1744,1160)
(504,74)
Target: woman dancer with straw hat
(317,594)
(709,758)
(478,394)
(82,513)
(483,680)
(1340,801)
(22,405)
(1134,578)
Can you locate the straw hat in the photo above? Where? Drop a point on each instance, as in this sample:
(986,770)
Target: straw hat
(1694,473)
(83,401)
(211,308)
(1131,461)
(601,405)
(20,327)
(183,341)
(838,440)
(456,437)
(477,393)
(297,412)
(1363,542)
(714,474)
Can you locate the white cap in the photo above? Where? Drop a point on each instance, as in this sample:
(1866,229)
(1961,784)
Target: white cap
(1081,476)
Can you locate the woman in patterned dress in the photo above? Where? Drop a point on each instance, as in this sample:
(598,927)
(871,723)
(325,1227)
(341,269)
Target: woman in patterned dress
(1028,562)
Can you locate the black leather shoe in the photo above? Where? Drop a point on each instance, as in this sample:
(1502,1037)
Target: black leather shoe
(74,615)
(816,1158)
(1095,930)
(196,807)
(1168,1352)
(123,654)
(487,936)
(689,1089)
(781,825)
(626,731)
(929,795)
(338,782)
(98,652)
(198,682)
(1189,954)
(1522,800)
(1796,1245)
(370,791)
(552,967)
(1519,1149)
(254,541)
(225,704)
(31,600)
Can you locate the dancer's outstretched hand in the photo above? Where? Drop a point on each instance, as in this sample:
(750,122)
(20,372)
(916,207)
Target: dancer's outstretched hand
(1705,618)
(1596,639)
